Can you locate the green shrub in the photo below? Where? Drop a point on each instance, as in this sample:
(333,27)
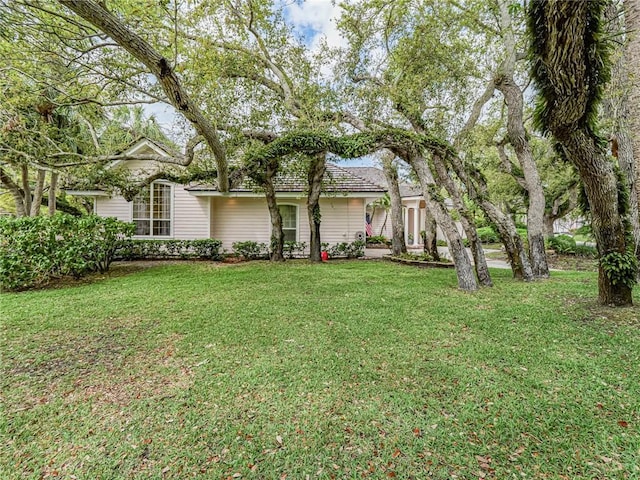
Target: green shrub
(207,248)
(563,244)
(294,249)
(620,268)
(378,239)
(488,235)
(250,250)
(586,251)
(34,250)
(345,249)
(584,230)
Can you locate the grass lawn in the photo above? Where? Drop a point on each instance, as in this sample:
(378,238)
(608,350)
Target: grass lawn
(339,370)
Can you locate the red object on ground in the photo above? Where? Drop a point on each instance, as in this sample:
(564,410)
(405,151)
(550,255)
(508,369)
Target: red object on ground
(324,256)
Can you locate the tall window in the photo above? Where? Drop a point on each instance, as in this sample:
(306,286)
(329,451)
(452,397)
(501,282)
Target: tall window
(289,215)
(152,211)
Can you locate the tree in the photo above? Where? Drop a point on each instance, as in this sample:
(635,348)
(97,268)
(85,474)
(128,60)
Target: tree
(567,38)
(518,138)
(398,245)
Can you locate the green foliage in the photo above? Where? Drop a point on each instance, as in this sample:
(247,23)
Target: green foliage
(563,244)
(250,250)
(620,268)
(208,248)
(378,239)
(34,250)
(293,249)
(488,235)
(311,142)
(545,20)
(348,250)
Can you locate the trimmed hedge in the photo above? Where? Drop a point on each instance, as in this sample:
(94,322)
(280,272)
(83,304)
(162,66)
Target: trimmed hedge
(33,250)
(208,248)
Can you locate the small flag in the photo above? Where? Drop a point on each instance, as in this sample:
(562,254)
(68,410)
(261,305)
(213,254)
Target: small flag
(369,229)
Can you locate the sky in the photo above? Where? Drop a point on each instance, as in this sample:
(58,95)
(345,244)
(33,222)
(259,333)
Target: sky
(316,22)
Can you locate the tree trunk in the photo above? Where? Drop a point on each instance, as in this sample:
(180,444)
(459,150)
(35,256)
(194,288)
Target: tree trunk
(276,250)
(53,190)
(517,135)
(548,221)
(37,193)
(430,236)
(535,211)
(26,189)
(398,245)
(468,223)
(567,38)
(478,191)
(317,166)
(16,192)
(601,187)
(464,268)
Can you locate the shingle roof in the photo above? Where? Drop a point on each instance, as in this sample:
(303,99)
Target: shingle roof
(375,175)
(336,180)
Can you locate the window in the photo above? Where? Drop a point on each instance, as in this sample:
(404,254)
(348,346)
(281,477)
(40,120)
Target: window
(152,211)
(289,215)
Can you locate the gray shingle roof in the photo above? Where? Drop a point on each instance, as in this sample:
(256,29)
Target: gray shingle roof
(336,180)
(375,175)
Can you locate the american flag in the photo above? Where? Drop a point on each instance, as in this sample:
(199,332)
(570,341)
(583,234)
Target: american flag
(368,228)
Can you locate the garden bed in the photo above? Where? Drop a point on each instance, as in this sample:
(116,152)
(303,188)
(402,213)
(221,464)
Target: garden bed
(419,263)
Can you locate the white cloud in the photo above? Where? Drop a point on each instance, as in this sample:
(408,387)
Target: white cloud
(316,20)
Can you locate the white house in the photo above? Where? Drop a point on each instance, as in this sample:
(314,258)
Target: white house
(168,210)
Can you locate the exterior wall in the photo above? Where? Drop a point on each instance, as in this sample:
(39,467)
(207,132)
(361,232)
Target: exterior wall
(190,215)
(236,219)
(113,207)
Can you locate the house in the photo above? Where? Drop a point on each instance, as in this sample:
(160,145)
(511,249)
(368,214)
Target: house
(168,210)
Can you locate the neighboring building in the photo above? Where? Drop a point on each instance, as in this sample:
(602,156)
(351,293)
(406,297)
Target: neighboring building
(413,207)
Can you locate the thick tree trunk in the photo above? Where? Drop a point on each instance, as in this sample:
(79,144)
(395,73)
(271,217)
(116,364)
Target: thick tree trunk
(317,166)
(95,13)
(464,268)
(567,39)
(38,193)
(16,193)
(398,245)
(53,191)
(468,223)
(513,244)
(430,235)
(601,187)
(276,250)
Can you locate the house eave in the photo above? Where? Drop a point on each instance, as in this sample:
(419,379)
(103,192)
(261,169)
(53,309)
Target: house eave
(215,193)
(87,193)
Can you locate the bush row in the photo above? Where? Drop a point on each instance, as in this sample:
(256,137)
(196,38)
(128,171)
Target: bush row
(251,250)
(34,250)
(164,249)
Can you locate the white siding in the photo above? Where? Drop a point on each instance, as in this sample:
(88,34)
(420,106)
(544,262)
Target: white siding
(190,215)
(241,219)
(114,207)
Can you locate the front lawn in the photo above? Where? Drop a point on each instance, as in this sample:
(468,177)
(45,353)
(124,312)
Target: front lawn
(352,369)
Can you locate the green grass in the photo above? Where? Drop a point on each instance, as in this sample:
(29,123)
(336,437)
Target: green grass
(339,370)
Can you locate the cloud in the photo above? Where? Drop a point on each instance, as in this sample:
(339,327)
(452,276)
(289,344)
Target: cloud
(315,20)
